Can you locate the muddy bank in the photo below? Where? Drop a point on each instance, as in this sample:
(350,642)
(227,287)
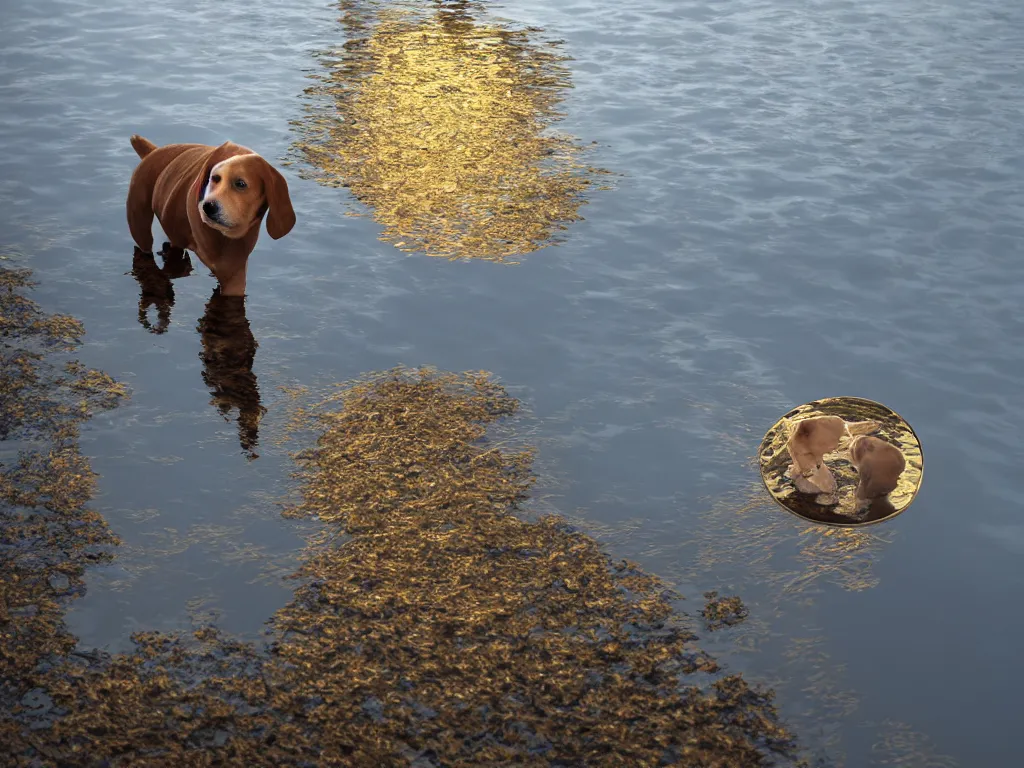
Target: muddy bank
(434,621)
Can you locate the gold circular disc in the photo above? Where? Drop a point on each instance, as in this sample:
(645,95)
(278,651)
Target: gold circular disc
(839,509)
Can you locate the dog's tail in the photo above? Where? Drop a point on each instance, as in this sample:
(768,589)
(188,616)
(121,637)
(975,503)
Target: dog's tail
(142,146)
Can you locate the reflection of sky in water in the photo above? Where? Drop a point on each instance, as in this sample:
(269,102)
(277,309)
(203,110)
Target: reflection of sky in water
(441,123)
(750,529)
(789,569)
(1010,537)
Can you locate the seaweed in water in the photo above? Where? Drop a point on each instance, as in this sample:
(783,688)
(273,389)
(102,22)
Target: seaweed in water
(440,629)
(47,533)
(721,612)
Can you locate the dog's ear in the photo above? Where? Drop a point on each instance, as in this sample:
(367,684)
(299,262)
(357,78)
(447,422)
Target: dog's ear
(281,217)
(216,155)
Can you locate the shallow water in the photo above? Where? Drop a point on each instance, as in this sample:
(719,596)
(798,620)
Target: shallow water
(809,199)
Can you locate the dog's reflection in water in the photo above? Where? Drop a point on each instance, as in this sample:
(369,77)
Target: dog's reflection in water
(229,348)
(155,284)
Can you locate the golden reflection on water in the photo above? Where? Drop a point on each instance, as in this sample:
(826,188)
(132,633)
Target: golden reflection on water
(526,644)
(442,124)
(774,460)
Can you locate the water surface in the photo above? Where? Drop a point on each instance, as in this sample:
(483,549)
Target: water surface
(809,199)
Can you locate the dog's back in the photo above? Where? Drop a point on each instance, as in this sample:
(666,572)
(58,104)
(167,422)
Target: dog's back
(158,185)
(155,159)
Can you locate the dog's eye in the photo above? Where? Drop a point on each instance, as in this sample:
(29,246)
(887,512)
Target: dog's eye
(215,179)
(240,184)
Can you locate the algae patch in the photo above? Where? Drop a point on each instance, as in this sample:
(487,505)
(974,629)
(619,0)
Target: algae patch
(432,626)
(459,633)
(719,612)
(48,535)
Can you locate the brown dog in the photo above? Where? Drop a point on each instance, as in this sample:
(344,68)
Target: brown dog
(209,200)
(808,443)
(879,465)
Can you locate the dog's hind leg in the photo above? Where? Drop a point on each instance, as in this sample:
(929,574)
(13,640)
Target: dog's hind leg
(140,220)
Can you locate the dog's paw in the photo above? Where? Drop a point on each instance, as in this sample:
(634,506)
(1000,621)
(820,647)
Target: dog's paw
(169,250)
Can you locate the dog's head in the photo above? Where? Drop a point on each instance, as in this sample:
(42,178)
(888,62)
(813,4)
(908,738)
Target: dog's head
(879,465)
(860,447)
(867,448)
(237,187)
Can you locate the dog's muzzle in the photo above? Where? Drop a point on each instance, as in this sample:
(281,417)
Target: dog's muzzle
(212,211)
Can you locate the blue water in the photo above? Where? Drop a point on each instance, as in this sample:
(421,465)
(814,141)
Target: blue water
(813,199)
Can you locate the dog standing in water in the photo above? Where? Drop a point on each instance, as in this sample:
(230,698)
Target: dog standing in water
(879,465)
(208,200)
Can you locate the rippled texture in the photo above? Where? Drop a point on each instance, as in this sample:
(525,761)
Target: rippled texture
(480,638)
(815,198)
(441,124)
(440,630)
(774,460)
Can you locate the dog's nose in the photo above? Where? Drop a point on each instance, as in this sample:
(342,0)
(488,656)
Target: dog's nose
(210,208)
